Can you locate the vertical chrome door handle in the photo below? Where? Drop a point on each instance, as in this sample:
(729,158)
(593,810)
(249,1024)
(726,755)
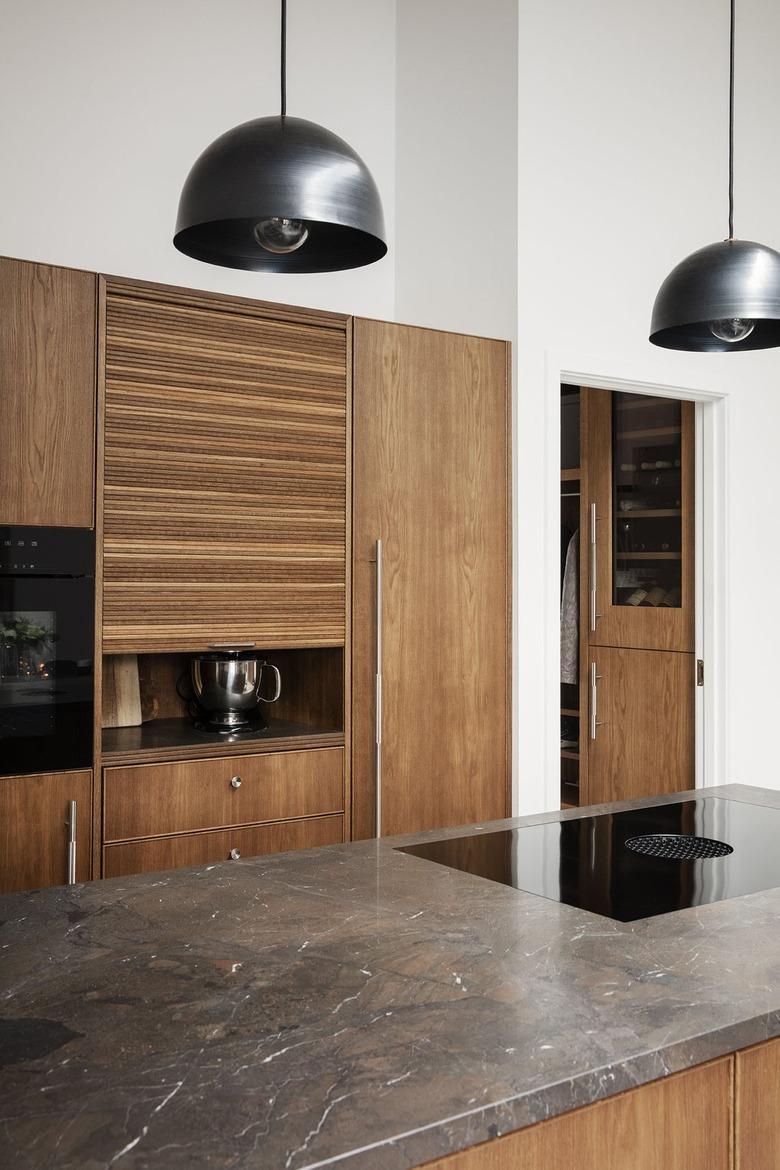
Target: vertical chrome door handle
(593,568)
(72,843)
(594,701)
(378,690)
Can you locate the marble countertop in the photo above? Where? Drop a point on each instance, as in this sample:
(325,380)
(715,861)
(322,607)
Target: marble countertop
(350,1006)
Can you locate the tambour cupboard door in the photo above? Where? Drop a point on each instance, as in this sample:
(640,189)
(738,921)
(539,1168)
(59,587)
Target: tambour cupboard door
(34,824)
(225,473)
(431,475)
(682,1122)
(47,394)
(644,741)
(757,1107)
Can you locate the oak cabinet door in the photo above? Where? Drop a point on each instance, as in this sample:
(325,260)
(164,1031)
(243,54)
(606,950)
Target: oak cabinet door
(34,829)
(757,1107)
(680,1123)
(225,474)
(431,480)
(47,394)
(641,723)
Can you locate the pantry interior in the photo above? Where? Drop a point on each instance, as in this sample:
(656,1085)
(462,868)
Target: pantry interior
(628,668)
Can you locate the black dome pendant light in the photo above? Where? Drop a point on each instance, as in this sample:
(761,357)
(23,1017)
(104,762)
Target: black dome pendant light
(725,297)
(281,194)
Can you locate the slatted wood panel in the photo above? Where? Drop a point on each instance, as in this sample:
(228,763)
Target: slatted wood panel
(225,475)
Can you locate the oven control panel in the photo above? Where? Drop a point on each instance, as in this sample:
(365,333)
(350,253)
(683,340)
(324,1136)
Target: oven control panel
(46,552)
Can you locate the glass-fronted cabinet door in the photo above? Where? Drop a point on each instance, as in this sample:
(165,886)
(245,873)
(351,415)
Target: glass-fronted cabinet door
(641,521)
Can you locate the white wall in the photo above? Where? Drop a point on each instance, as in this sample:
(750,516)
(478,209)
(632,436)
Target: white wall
(106,105)
(456,210)
(622,156)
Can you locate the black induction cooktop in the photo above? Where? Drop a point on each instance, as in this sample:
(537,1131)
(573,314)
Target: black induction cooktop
(631,864)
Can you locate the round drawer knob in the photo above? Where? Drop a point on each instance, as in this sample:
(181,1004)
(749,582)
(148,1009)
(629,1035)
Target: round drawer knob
(234,854)
(235,782)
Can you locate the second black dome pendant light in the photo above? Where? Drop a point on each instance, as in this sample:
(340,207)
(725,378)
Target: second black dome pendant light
(725,297)
(281,194)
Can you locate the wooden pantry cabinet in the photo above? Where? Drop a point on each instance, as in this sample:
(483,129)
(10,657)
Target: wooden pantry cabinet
(431,574)
(628,671)
(47,394)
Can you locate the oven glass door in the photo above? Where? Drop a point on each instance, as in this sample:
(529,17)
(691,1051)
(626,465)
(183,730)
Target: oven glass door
(46,674)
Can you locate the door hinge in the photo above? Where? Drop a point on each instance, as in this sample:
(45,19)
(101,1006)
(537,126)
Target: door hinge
(699,672)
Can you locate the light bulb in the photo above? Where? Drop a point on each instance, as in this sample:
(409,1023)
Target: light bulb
(732,329)
(280,235)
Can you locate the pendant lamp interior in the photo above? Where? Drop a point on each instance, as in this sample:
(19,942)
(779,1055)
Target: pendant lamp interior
(281,194)
(726,296)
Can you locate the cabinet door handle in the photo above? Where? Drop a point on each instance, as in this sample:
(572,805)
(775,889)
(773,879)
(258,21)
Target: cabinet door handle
(594,701)
(235,782)
(235,854)
(72,843)
(378,691)
(593,568)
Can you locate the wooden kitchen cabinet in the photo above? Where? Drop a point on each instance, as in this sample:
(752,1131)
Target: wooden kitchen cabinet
(225,472)
(644,736)
(641,485)
(151,800)
(431,480)
(682,1122)
(47,394)
(34,821)
(223,845)
(757,1107)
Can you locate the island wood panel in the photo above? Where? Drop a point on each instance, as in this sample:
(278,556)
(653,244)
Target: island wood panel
(34,823)
(680,1123)
(641,627)
(757,1107)
(47,394)
(149,800)
(431,479)
(208,848)
(644,744)
(225,476)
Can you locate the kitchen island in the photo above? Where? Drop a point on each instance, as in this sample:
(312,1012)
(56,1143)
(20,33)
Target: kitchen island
(353,1006)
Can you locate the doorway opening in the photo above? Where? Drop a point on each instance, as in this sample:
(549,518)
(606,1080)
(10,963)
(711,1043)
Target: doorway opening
(633,614)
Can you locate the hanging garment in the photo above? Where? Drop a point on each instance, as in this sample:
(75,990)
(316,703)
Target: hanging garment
(570,614)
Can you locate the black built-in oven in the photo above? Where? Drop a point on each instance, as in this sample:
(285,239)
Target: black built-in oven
(47,629)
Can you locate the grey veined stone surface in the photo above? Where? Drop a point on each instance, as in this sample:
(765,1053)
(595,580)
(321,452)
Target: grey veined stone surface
(349,1006)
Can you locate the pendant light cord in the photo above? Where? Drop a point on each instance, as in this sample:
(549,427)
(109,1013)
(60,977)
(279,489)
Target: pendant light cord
(283,63)
(731,121)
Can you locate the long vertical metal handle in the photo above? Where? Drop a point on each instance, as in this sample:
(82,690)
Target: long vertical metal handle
(378,690)
(593,568)
(72,843)
(594,701)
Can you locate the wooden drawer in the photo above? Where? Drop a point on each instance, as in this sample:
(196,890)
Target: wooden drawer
(151,800)
(206,848)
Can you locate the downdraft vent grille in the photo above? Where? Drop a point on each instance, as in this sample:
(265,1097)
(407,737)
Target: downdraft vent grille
(677,847)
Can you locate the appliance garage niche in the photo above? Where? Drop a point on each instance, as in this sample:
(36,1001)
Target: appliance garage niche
(243,463)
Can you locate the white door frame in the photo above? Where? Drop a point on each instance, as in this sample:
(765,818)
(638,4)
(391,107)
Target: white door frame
(711,602)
